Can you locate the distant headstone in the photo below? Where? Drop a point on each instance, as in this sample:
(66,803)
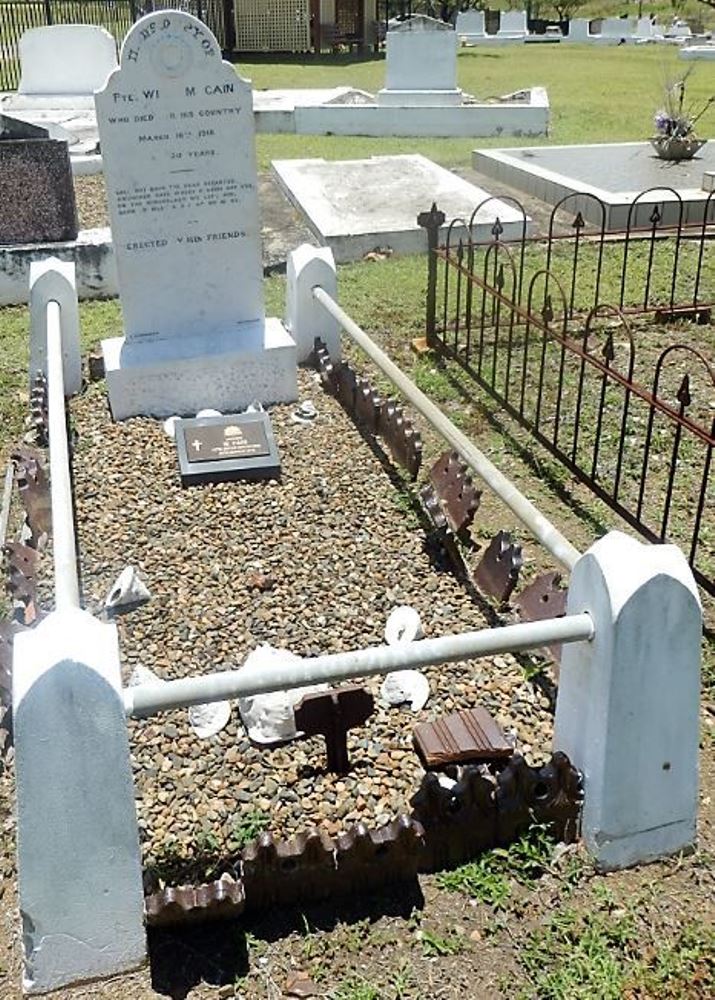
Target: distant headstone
(470,24)
(178,144)
(65,59)
(513,24)
(421,64)
(618,27)
(225,448)
(579,30)
(37,202)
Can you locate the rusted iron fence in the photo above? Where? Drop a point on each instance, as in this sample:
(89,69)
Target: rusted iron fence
(117,16)
(573,333)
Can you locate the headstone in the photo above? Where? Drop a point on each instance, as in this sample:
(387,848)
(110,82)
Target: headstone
(37,202)
(226,448)
(470,24)
(709,180)
(65,59)
(421,64)
(178,144)
(579,30)
(512,24)
(644,28)
(618,27)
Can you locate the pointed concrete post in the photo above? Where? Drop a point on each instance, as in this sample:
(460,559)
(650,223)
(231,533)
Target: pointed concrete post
(306,319)
(53,280)
(79,867)
(627,712)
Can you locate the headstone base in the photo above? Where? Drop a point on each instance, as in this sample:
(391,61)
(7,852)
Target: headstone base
(419,98)
(162,378)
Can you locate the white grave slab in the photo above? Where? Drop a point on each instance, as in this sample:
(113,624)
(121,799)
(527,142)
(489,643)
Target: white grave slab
(555,172)
(65,59)
(421,64)
(355,206)
(698,52)
(178,145)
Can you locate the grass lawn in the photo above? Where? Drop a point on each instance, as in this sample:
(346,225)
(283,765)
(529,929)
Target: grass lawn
(522,923)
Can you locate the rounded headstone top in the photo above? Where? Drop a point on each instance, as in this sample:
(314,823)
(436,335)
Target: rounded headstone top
(171,42)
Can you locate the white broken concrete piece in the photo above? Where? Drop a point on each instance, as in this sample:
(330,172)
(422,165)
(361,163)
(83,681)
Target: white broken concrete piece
(403,625)
(270,718)
(207,720)
(403,686)
(305,412)
(127,591)
(170,426)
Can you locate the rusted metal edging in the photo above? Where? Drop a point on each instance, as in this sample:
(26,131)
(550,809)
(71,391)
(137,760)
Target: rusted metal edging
(146,699)
(543,530)
(63,537)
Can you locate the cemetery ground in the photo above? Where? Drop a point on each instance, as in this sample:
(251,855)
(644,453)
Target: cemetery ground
(342,544)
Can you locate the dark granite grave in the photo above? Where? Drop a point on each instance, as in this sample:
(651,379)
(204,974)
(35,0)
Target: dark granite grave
(222,449)
(37,202)
(16,128)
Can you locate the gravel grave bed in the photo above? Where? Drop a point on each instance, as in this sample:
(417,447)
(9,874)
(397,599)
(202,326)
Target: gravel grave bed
(342,551)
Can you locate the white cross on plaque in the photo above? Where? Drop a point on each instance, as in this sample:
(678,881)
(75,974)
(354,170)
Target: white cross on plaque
(196,444)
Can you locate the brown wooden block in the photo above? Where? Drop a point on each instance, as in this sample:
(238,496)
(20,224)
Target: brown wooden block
(460,738)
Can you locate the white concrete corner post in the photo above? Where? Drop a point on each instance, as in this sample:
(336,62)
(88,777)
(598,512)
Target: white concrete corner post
(627,712)
(306,319)
(54,280)
(79,865)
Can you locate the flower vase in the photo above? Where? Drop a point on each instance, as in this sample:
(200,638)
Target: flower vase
(669,147)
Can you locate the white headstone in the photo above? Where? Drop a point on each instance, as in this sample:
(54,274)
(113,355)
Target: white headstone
(627,712)
(579,30)
(66,59)
(644,28)
(618,27)
(421,64)
(470,24)
(513,23)
(178,144)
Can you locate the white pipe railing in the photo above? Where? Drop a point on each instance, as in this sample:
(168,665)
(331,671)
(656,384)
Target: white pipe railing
(145,699)
(63,537)
(542,529)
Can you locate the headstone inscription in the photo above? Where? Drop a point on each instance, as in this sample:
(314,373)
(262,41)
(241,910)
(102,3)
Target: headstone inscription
(37,201)
(178,143)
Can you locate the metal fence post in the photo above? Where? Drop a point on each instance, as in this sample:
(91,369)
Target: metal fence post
(431,221)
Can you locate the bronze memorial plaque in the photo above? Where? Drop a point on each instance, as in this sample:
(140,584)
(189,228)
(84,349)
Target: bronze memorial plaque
(219,449)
